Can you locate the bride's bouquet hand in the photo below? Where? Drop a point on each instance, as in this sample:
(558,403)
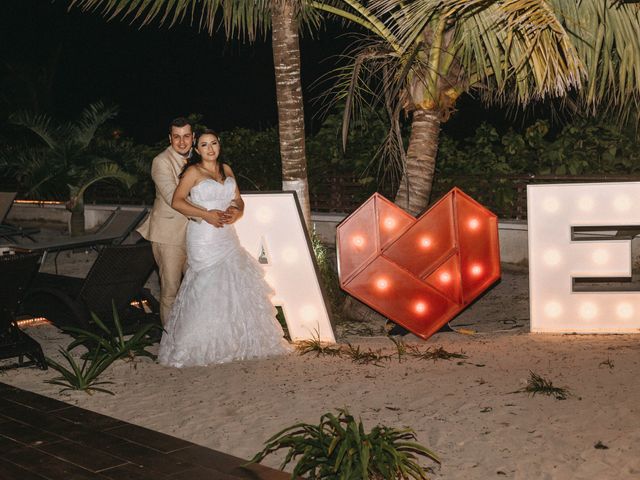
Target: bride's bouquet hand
(217,218)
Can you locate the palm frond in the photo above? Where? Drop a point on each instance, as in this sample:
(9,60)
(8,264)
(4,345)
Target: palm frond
(104,170)
(91,118)
(245,19)
(39,124)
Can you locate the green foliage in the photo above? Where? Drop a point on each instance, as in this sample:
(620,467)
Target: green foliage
(339,448)
(583,147)
(328,275)
(254,156)
(482,164)
(113,342)
(82,377)
(64,159)
(103,348)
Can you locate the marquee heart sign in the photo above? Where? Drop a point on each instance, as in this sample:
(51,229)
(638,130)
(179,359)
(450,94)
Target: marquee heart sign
(421,272)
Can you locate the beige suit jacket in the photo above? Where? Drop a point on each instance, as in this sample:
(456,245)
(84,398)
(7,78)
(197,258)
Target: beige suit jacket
(164,224)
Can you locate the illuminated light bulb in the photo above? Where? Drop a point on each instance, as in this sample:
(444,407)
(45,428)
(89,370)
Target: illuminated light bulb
(390,223)
(421,307)
(445,277)
(551,257)
(358,241)
(425,242)
(476,270)
(588,310)
(264,214)
(309,313)
(382,283)
(624,310)
(553,309)
(474,223)
(585,204)
(622,203)
(290,254)
(600,257)
(551,204)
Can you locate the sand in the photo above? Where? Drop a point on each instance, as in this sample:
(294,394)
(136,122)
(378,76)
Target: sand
(470,411)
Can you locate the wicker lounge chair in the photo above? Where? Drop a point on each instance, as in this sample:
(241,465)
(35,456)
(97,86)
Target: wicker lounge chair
(17,272)
(7,231)
(117,277)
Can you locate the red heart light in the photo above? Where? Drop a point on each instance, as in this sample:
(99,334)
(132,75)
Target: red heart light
(421,272)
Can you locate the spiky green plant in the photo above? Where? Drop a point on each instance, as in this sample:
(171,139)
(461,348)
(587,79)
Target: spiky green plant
(114,342)
(438,353)
(402,349)
(539,384)
(328,274)
(315,345)
(364,357)
(339,448)
(81,377)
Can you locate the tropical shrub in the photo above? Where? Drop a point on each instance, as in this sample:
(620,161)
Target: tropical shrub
(114,342)
(339,448)
(62,158)
(81,377)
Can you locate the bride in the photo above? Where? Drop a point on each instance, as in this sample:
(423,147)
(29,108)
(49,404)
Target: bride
(223,310)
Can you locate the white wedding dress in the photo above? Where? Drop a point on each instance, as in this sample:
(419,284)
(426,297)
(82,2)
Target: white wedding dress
(223,310)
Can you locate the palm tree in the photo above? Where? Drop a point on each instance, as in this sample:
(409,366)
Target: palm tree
(420,56)
(63,159)
(247,19)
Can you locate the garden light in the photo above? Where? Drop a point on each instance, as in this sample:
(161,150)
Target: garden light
(443,260)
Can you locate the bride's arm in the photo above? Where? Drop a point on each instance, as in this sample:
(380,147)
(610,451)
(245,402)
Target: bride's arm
(236,208)
(188,209)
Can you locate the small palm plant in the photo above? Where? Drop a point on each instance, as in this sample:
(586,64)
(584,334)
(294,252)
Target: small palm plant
(339,448)
(114,343)
(82,377)
(64,158)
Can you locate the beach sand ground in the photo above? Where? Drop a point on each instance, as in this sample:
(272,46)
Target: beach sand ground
(470,411)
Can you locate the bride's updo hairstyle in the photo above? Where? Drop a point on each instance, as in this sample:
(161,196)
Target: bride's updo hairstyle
(196,159)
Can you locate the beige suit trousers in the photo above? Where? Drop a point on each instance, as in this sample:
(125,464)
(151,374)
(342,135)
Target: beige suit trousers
(171,260)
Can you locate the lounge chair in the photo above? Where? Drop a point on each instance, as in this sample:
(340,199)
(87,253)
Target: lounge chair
(7,231)
(113,231)
(117,277)
(17,272)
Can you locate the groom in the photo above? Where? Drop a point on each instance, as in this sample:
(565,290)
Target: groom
(166,228)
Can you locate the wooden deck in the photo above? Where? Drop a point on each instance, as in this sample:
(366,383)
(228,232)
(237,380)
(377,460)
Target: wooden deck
(43,438)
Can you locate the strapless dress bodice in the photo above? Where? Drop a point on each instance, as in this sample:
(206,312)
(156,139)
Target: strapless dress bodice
(213,195)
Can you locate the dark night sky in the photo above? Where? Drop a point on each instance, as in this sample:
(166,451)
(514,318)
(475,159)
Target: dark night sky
(153,74)
(156,73)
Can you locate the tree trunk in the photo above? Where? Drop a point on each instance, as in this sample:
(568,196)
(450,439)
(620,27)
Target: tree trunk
(286,60)
(76,223)
(417,181)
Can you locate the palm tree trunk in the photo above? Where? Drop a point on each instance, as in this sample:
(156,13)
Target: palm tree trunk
(417,181)
(76,222)
(286,60)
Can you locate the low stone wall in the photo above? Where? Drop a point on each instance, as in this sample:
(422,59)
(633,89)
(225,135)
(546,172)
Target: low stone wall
(513,234)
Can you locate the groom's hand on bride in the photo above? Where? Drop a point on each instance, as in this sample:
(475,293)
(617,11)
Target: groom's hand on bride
(217,218)
(232,213)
